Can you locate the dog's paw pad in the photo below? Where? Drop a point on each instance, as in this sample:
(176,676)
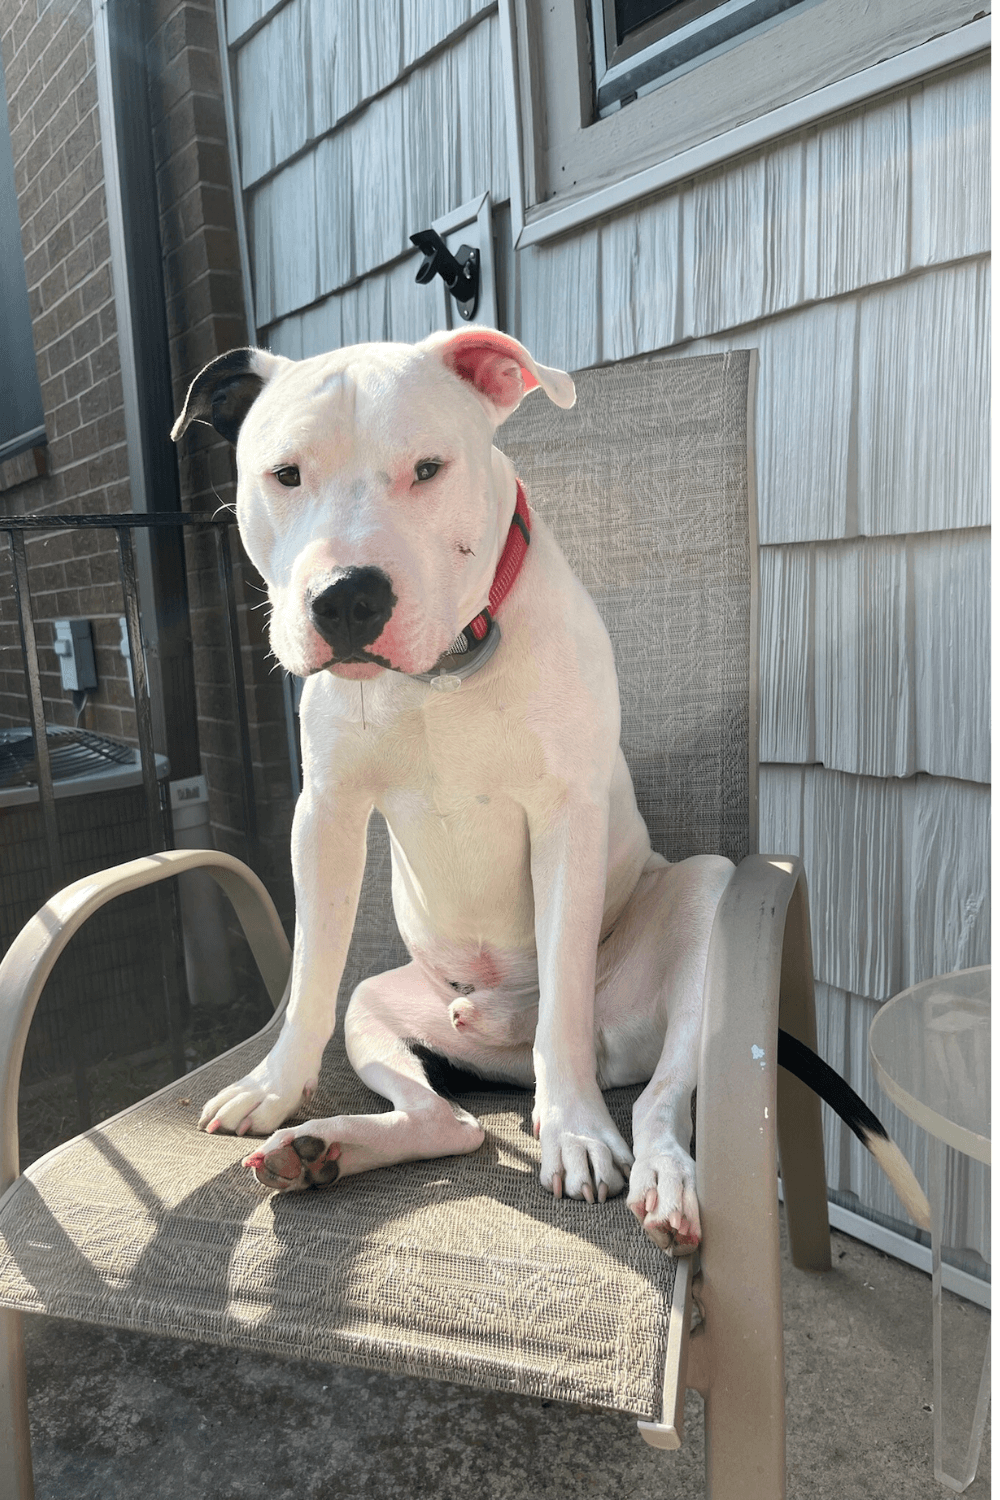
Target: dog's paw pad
(303,1161)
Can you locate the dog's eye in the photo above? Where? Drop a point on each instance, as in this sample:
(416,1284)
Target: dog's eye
(288,475)
(426,469)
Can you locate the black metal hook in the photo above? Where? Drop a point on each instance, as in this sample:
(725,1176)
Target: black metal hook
(460,273)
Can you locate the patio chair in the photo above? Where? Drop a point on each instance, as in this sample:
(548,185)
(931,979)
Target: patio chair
(464,1269)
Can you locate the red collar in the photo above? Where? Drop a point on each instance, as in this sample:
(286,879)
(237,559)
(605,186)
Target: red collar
(514,552)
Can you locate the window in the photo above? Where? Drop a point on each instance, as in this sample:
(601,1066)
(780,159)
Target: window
(22,420)
(639,44)
(612,100)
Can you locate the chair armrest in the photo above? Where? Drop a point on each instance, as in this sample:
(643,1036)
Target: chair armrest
(759,971)
(30,959)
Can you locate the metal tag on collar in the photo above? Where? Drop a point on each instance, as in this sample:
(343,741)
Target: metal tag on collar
(451,670)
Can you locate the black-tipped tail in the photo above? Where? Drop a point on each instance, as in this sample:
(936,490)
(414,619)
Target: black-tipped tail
(817,1075)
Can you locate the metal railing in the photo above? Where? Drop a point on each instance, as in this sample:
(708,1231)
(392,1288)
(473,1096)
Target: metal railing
(125,526)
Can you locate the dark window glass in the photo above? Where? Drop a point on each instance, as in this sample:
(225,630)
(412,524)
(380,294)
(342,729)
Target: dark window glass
(22,420)
(630,14)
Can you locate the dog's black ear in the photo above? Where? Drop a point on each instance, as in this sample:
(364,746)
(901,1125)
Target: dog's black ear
(224,391)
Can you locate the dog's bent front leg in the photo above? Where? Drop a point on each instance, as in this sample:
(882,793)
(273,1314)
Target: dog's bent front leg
(583,1154)
(384,1010)
(328,863)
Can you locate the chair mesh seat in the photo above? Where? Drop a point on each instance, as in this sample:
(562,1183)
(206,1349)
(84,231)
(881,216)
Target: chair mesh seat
(461,1268)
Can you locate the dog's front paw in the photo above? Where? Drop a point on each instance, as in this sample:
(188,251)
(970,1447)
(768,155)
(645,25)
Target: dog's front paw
(662,1196)
(258,1103)
(583,1154)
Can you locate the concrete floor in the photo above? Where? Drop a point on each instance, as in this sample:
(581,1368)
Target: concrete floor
(118,1417)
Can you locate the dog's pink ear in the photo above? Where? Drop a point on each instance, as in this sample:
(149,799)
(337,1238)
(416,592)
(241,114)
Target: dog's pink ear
(500,370)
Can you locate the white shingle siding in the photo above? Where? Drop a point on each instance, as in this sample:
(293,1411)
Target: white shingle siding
(895,870)
(640,260)
(951,653)
(951,162)
(243,15)
(872,660)
(556,297)
(854,257)
(318,61)
(347,206)
(923,403)
(387,305)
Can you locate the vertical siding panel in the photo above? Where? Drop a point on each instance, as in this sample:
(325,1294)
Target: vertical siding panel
(923,403)
(285,337)
(875,655)
(640,257)
(335,208)
(951,166)
(334,59)
(379,38)
(804,423)
(424,26)
(364,311)
(322,327)
(951,572)
(274,92)
(283,237)
(378,172)
(787,687)
(784,226)
(946,892)
(558,329)
(831,1044)
(805,478)
(261,253)
(853,834)
(430,163)
(242,14)
(724,271)
(413,314)
(970,1221)
(480,131)
(864,679)
(781,811)
(857,200)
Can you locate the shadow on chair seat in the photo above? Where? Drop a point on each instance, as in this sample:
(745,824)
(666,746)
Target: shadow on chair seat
(462,1268)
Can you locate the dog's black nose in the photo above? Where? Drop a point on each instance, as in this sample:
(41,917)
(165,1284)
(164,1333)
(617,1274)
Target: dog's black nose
(352,612)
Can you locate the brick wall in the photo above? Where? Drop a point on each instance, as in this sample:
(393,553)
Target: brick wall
(205,317)
(48,61)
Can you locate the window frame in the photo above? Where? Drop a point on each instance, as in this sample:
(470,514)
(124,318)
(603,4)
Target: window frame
(834,55)
(655,52)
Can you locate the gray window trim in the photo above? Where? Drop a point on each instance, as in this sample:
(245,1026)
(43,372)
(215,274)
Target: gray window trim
(569,168)
(636,69)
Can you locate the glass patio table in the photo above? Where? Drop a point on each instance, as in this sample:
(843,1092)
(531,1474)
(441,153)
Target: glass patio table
(930,1046)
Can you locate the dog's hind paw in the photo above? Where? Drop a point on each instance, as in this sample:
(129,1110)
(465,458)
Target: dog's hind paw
(661,1195)
(300,1161)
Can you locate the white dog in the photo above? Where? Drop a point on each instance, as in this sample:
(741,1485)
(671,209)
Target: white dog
(549,944)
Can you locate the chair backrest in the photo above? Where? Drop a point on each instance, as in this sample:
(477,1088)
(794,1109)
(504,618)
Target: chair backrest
(648,484)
